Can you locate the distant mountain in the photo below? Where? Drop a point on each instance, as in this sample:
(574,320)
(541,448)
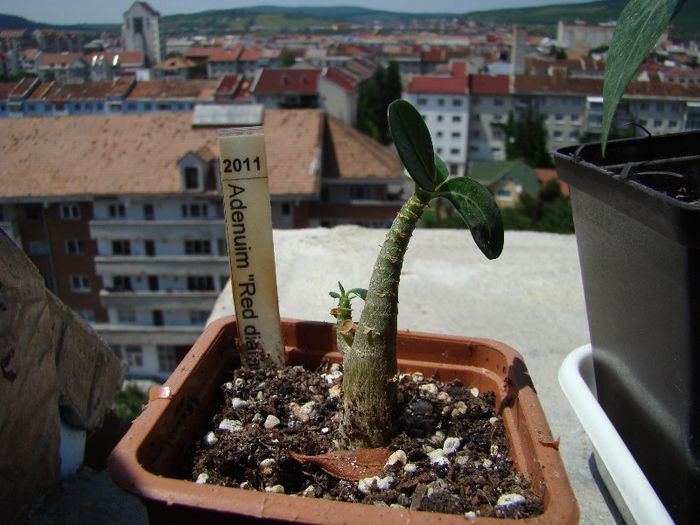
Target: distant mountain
(18,22)
(686,24)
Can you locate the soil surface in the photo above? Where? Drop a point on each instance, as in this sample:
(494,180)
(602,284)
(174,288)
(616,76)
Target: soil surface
(451,454)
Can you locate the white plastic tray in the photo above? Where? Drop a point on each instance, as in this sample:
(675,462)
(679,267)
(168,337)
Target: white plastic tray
(634,496)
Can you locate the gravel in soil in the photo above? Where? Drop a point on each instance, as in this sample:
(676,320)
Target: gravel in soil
(451,453)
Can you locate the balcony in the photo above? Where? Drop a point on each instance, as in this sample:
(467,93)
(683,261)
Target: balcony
(161,230)
(161,299)
(179,265)
(131,334)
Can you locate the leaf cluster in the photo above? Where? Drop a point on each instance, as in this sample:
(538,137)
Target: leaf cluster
(376,93)
(473,203)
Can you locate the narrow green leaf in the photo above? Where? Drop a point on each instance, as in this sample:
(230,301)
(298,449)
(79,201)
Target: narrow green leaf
(334,295)
(638,29)
(412,140)
(360,292)
(441,171)
(342,290)
(478,210)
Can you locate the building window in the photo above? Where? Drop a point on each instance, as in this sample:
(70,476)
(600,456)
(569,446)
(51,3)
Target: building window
(150,248)
(167,359)
(38,247)
(657,123)
(497,118)
(134,355)
(199,317)
(438,134)
(191,178)
(33,212)
(557,134)
(202,283)
(573,135)
(441,102)
(199,247)
(456,102)
(497,134)
(456,135)
(360,193)
(474,149)
(497,101)
(422,101)
(439,151)
(121,283)
(504,193)
(660,106)
(126,316)
(86,313)
(286,209)
(121,247)
(149,212)
(456,118)
(440,118)
(672,123)
(117,210)
(195,210)
(75,247)
(455,151)
(79,283)
(559,117)
(70,211)
(454,169)
(158,318)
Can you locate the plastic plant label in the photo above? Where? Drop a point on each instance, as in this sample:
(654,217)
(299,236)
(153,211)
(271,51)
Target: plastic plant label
(246,192)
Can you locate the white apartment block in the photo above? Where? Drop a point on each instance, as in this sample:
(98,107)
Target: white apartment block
(162,261)
(141,32)
(443,102)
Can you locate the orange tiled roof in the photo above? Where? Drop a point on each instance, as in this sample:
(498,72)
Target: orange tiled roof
(138,154)
(287,80)
(57,91)
(174,89)
(354,155)
(174,64)
(59,59)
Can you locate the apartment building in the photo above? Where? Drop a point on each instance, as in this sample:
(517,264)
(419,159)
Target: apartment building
(443,101)
(123,216)
(490,105)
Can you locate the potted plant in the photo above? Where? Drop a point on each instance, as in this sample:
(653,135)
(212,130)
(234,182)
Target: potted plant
(149,459)
(637,219)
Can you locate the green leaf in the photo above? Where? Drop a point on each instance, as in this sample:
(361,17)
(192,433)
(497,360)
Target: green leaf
(441,171)
(334,295)
(413,143)
(478,210)
(342,290)
(360,292)
(638,29)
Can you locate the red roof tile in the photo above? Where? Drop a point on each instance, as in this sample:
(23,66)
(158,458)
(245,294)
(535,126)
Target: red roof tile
(250,55)
(226,56)
(340,78)
(202,52)
(438,85)
(287,80)
(547,174)
(227,85)
(59,59)
(488,84)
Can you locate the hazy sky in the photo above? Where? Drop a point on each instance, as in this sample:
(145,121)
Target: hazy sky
(75,11)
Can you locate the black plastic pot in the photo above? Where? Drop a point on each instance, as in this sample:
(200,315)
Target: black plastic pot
(639,248)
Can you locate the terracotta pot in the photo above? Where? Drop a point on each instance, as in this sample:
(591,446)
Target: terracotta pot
(150,461)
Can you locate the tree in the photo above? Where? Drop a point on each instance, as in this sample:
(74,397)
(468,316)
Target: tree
(526,139)
(287,58)
(376,93)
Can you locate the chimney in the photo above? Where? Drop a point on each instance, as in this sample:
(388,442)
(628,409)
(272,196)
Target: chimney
(518,49)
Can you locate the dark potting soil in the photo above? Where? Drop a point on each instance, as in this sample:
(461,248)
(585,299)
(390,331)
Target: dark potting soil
(451,453)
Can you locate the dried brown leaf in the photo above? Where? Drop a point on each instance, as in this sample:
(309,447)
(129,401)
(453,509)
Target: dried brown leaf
(348,464)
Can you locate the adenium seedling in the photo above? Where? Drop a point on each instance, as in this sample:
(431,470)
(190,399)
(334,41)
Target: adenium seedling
(368,417)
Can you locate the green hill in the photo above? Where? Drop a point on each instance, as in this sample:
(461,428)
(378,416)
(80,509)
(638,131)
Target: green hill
(18,22)
(686,25)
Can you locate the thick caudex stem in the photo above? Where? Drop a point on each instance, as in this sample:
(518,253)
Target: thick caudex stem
(368,417)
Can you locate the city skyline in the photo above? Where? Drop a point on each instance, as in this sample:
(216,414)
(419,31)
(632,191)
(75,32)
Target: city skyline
(84,11)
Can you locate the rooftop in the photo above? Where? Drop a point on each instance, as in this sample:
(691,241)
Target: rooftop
(287,80)
(174,89)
